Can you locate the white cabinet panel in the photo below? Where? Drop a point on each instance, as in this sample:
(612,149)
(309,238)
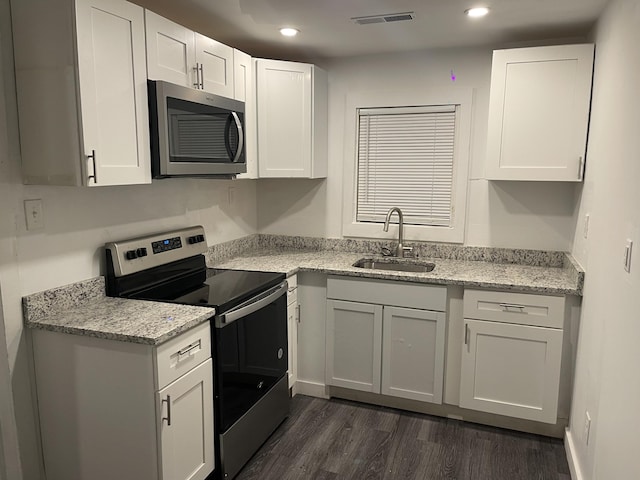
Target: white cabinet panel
(413,354)
(292,119)
(354,344)
(293,316)
(216,62)
(185,425)
(96,132)
(171,51)
(539,113)
(244,79)
(511,370)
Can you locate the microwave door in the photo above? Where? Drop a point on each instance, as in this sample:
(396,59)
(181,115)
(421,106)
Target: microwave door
(198,138)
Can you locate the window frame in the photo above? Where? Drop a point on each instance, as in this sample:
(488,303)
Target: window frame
(461,97)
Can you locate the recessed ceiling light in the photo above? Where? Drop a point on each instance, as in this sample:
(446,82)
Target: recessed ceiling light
(477,12)
(289,32)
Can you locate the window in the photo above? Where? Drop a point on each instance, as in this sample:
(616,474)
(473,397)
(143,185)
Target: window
(407,153)
(405,160)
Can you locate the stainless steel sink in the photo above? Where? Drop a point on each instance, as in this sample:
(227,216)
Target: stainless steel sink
(395,264)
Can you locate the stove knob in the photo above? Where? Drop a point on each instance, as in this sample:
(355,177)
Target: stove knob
(141,252)
(131,254)
(192,240)
(200,238)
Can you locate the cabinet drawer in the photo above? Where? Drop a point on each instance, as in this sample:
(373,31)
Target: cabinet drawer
(519,308)
(388,292)
(176,357)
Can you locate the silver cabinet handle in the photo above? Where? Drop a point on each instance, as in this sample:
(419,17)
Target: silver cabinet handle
(189,348)
(580,167)
(298,313)
(168,417)
(507,306)
(466,334)
(201,76)
(197,70)
(95,172)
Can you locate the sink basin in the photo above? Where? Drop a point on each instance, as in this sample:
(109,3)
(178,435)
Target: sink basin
(395,264)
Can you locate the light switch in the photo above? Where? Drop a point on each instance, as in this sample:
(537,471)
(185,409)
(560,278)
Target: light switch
(33,214)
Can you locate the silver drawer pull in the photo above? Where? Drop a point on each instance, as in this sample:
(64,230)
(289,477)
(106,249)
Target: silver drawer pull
(188,349)
(507,306)
(168,417)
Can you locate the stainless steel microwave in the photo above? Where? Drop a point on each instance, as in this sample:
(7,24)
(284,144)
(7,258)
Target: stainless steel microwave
(195,133)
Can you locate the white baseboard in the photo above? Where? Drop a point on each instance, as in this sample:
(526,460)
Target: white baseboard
(572,460)
(312,389)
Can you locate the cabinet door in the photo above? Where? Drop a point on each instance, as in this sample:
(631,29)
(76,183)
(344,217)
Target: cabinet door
(216,62)
(244,80)
(284,118)
(292,334)
(413,354)
(113,92)
(171,51)
(185,425)
(511,370)
(354,341)
(539,113)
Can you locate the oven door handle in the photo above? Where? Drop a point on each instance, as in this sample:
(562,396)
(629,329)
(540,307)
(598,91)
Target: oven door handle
(254,304)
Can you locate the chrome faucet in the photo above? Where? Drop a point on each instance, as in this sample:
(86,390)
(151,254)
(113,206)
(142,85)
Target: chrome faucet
(400,249)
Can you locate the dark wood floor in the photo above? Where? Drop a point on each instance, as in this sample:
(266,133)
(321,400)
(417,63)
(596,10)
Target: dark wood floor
(339,439)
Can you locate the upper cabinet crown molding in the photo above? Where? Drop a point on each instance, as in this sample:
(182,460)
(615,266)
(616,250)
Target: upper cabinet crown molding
(292,119)
(178,55)
(539,113)
(81,83)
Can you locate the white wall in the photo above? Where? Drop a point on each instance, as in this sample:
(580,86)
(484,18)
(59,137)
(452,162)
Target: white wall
(78,221)
(607,383)
(501,214)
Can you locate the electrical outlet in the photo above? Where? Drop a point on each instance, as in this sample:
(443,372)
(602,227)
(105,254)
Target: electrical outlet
(34,214)
(585,227)
(587,428)
(628,251)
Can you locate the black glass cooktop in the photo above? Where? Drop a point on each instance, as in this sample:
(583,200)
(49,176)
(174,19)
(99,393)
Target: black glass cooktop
(225,289)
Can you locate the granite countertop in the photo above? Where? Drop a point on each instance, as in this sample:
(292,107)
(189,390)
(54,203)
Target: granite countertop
(565,279)
(83,309)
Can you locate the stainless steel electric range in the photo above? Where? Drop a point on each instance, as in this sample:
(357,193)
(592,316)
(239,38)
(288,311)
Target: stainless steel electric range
(249,331)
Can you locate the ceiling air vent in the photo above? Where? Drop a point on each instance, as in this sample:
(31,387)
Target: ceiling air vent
(388,18)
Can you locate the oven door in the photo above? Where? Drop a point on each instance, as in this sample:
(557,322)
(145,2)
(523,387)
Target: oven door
(250,353)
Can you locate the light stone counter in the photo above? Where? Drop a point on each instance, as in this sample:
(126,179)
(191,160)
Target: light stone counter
(566,279)
(83,309)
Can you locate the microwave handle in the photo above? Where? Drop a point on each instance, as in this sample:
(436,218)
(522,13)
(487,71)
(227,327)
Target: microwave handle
(236,120)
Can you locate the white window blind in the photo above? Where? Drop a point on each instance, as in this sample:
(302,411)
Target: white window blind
(405,159)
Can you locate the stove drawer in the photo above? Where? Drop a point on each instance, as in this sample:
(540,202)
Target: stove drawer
(179,355)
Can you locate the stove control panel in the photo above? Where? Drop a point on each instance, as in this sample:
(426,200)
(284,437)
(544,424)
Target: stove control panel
(141,253)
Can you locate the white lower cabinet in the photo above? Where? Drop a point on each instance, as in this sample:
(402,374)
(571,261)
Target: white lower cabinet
(185,425)
(413,353)
(511,364)
(393,343)
(111,409)
(293,316)
(354,345)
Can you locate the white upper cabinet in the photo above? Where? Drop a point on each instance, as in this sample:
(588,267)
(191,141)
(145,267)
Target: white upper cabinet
(539,113)
(245,91)
(215,62)
(292,119)
(178,55)
(82,92)
(171,51)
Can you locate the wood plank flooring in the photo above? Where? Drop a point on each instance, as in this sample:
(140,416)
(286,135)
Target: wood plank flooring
(339,439)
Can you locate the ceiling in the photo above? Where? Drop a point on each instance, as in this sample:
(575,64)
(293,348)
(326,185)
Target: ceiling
(326,28)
